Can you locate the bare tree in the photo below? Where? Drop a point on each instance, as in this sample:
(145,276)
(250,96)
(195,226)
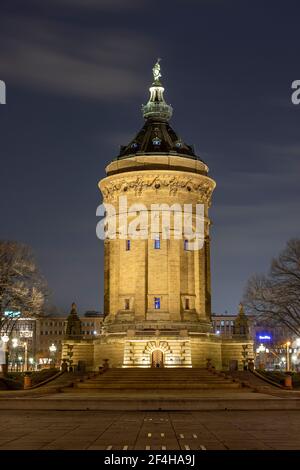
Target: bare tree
(275,298)
(22,288)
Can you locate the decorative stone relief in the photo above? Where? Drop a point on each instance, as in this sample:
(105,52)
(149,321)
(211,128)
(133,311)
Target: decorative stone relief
(116,187)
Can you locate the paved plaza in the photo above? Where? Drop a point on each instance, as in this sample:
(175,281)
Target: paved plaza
(119,430)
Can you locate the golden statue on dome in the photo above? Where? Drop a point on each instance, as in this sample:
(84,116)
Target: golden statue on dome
(156,71)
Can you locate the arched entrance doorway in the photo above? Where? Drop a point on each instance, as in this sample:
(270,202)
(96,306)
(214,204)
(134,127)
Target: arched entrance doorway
(157,358)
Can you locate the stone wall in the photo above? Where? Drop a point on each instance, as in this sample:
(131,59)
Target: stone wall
(111,348)
(79,350)
(206,347)
(232,350)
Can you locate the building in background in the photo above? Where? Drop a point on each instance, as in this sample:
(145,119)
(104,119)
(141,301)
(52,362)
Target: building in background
(270,341)
(23,340)
(51,331)
(37,341)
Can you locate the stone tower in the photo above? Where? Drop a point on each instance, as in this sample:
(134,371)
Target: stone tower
(157,283)
(157,294)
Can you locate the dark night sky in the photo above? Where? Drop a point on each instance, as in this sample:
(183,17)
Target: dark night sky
(77,72)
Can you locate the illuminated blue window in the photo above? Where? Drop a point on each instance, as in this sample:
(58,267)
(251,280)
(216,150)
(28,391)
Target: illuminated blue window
(156,141)
(186,245)
(157,243)
(127,245)
(156,303)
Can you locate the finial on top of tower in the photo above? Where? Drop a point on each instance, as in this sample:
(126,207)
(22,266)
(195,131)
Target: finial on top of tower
(157,108)
(73,309)
(156,71)
(241,309)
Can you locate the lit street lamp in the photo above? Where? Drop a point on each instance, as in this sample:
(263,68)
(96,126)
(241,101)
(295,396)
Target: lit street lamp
(294,359)
(5,339)
(20,361)
(53,350)
(288,356)
(261,351)
(25,356)
(15,344)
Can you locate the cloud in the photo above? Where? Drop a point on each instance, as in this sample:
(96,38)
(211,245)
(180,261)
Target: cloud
(70,60)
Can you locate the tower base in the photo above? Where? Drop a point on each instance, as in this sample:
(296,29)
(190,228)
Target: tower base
(160,348)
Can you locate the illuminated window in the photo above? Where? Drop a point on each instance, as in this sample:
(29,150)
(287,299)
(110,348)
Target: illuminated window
(187,304)
(157,243)
(186,245)
(127,245)
(127,304)
(156,141)
(156,303)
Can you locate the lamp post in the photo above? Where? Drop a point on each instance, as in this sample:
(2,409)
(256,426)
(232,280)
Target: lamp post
(53,350)
(294,361)
(261,350)
(288,356)
(5,339)
(14,361)
(31,362)
(25,345)
(20,361)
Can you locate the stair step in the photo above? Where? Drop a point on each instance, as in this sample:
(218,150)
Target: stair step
(133,379)
(158,386)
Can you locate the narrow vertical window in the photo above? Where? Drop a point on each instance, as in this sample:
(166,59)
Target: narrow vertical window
(127,245)
(187,304)
(127,305)
(156,303)
(157,243)
(186,245)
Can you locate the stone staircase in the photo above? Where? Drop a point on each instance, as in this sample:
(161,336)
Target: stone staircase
(138,379)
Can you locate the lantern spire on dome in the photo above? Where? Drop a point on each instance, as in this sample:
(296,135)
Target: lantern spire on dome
(157,108)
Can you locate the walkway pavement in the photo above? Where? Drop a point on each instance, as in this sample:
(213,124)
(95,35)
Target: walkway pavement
(248,430)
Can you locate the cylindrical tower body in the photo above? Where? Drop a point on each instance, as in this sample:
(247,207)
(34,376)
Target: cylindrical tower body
(158,276)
